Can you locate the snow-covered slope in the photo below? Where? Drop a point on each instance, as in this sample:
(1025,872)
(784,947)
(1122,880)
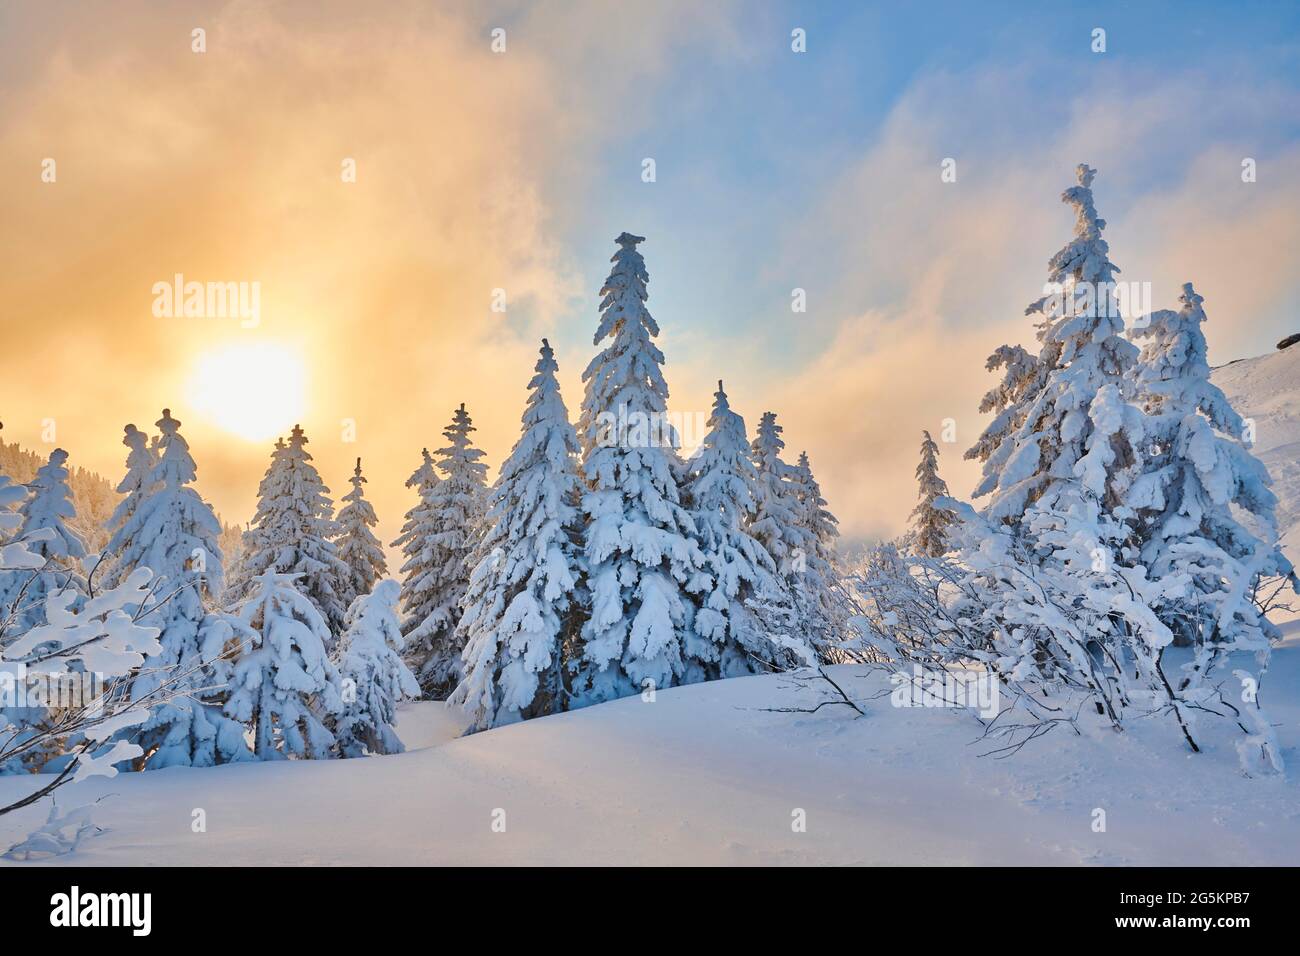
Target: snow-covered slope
(710,774)
(1267,390)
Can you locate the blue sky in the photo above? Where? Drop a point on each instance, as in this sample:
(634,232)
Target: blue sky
(775,170)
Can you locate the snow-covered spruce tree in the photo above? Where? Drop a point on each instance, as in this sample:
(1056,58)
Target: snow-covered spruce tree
(173,532)
(1022,379)
(639,544)
(776,506)
(358,548)
(134,487)
(285,687)
(791,522)
(373,675)
(1083,352)
(293,531)
(417,532)
(728,638)
(1065,600)
(1199,471)
(816,585)
(439,573)
(930,524)
(522,604)
(44,528)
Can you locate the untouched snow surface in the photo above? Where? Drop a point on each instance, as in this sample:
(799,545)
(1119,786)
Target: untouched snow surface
(706,775)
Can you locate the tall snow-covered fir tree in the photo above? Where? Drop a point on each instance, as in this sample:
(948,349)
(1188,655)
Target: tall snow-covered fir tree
(1060,528)
(727,639)
(134,487)
(1199,470)
(414,543)
(776,506)
(44,527)
(1071,405)
(522,602)
(293,532)
(816,581)
(930,524)
(285,687)
(639,548)
(173,532)
(358,548)
(374,676)
(438,575)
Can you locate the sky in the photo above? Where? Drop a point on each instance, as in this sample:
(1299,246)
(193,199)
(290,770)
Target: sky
(479,170)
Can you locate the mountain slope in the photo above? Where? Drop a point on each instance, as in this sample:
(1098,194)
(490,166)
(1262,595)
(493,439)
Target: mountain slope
(1267,390)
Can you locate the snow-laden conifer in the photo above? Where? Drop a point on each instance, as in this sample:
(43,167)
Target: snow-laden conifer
(374,678)
(436,583)
(727,639)
(929,523)
(358,548)
(1060,444)
(284,687)
(776,507)
(174,532)
(44,528)
(134,488)
(1206,500)
(522,602)
(816,581)
(293,531)
(638,546)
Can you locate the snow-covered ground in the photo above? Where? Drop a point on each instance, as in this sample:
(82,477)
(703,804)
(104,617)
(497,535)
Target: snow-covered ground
(707,775)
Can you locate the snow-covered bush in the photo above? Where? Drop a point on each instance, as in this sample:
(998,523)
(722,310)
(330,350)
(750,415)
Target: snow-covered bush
(74,666)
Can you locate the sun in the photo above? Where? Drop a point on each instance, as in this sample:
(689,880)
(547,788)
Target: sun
(254,390)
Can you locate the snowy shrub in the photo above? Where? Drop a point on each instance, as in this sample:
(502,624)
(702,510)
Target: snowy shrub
(76,662)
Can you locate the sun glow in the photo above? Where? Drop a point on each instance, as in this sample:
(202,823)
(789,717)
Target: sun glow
(256,391)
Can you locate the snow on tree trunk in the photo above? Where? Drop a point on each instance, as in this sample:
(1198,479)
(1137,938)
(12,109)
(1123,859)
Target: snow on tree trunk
(284,687)
(520,609)
(358,548)
(293,531)
(639,546)
(438,575)
(373,676)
